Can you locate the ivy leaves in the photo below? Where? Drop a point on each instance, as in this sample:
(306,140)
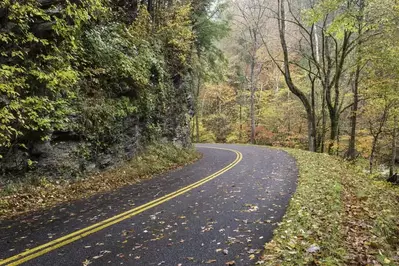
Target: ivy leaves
(76,67)
(37,79)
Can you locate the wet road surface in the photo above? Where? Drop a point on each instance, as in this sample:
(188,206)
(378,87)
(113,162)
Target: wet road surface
(227,219)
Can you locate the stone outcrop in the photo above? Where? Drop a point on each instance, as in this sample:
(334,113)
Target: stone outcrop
(71,153)
(67,155)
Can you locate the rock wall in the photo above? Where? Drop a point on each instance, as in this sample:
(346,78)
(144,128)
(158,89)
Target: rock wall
(75,150)
(66,155)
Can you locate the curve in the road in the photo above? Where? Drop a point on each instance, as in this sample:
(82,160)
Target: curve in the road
(79,234)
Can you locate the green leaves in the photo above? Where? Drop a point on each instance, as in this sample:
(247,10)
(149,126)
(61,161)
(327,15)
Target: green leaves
(37,79)
(342,24)
(178,36)
(340,16)
(76,67)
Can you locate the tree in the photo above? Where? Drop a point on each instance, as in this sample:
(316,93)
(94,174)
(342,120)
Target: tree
(382,79)
(250,19)
(287,73)
(218,102)
(326,43)
(210,26)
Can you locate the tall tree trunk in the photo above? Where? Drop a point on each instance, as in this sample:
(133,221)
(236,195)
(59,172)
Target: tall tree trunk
(197,137)
(338,139)
(252,80)
(240,134)
(351,154)
(289,111)
(324,122)
(288,79)
(193,128)
(394,146)
(333,132)
(333,99)
(325,81)
(319,139)
(197,111)
(372,154)
(312,119)
(312,132)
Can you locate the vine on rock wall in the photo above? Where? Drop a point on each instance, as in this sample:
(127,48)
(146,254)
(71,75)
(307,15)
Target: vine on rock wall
(87,82)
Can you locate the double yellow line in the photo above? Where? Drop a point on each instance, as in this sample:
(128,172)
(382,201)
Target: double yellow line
(65,240)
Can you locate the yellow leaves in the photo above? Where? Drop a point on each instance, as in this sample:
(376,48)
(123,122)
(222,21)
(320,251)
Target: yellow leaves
(292,244)
(218,93)
(86,262)
(318,215)
(317,196)
(387,261)
(177,32)
(363,145)
(142,25)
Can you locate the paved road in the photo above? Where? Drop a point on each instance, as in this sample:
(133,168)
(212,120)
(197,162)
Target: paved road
(228,218)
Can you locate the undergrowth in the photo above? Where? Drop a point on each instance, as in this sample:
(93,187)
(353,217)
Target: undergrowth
(37,193)
(338,216)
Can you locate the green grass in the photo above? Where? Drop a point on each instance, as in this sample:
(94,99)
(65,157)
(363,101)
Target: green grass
(35,193)
(347,217)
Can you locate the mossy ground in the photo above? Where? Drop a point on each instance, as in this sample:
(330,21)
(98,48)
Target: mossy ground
(38,193)
(338,216)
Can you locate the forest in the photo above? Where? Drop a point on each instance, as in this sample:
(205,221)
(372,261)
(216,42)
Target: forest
(84,81)
(315,75)
(105,106)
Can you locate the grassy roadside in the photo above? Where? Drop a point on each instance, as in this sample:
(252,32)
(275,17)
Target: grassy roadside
(39,193)
(338,216)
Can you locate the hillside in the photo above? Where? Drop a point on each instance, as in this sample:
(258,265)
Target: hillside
(337,216)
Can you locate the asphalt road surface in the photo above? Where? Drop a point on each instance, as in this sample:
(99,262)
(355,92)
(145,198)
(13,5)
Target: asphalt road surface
(221,209)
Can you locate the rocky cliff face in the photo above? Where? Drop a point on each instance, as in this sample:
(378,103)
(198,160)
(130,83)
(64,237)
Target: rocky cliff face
(86,100)
(67,155)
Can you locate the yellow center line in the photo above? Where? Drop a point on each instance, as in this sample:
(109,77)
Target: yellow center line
(62,241)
